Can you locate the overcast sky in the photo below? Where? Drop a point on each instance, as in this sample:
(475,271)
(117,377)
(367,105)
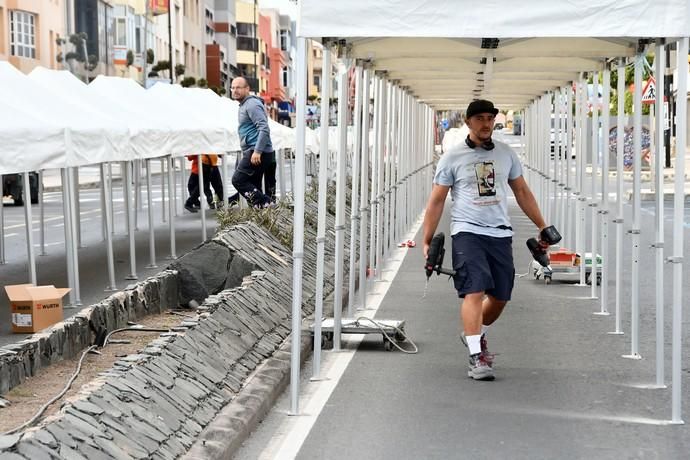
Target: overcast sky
(285,6)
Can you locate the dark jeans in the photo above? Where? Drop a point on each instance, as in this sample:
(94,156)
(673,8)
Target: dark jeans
(247,181)
(270,180)
(211,179)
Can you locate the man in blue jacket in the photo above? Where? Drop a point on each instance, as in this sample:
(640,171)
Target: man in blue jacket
(258,156)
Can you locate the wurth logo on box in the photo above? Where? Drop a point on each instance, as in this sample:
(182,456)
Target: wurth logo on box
(47,306)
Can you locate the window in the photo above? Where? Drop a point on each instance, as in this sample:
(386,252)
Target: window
(246,29)
(233,30)
(317,82)
(120,32)
(284,40)
(23,34)
(285,77)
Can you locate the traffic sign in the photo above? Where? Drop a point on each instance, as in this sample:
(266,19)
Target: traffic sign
(649,92)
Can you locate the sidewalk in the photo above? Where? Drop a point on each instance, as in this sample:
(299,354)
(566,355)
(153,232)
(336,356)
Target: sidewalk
(562,389)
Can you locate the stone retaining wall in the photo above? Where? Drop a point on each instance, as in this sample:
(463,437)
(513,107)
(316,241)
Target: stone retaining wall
(154,404)
(70,337)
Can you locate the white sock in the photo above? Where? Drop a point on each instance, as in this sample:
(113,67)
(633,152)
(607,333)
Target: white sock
(473,344)
(485,328)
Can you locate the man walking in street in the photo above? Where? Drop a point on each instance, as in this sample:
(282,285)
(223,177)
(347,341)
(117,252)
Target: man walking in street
(479,173)
(255,141)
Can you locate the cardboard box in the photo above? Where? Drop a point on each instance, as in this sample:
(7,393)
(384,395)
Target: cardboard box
(35,308)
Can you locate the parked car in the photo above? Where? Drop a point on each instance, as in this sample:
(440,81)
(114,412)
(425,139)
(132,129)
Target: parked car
(498,126)
(13,185)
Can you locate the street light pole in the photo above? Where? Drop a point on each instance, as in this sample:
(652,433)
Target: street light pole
(170,55)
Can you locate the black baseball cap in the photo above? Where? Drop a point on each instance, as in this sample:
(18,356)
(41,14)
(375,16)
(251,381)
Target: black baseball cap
(480,106)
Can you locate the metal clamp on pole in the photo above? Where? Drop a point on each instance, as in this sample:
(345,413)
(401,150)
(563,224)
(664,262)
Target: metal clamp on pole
(657,245)
(320,239)
(298,255)
(582,199)
(618,221)
(567,188)
(674,260)
(593,205)
(339,227)
(634,231)
(603,211)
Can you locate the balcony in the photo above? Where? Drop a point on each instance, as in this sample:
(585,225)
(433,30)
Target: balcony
(247,44)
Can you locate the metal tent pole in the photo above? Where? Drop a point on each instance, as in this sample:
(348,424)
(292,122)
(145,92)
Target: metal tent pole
(152,232)
(77,204)
(73,216)
(374,173)
(595,171)
(298,219)
(321,217)
(107,205)
(66,213)
(620,132)
(659,65)
(41,211)
(364,192)
(582,163)
(171,205)
(202,197)
(384,146)
(129,209)
(635,229)
(678,210)
(28,218)
(354,202)
(281,173)
(340,192)
(163,176)
(102,173)
(604,211)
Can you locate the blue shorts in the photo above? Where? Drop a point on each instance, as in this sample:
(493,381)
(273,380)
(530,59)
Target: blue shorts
(483,264)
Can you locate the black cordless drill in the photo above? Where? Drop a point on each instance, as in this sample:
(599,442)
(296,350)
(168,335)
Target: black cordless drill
(434,260)
(548,235)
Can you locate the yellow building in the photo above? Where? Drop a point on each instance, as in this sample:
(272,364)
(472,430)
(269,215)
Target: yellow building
(28,32)
(252,54)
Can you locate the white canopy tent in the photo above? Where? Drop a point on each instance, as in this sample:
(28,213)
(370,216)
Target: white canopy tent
(88,138)
(442,54)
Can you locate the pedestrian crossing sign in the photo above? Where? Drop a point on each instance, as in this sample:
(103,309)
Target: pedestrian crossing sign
(649,92)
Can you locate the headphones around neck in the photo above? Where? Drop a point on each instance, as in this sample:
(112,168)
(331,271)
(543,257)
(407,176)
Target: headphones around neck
(486,145)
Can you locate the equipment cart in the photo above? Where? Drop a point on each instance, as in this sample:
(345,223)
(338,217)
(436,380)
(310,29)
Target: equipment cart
(568,263)
(390,329)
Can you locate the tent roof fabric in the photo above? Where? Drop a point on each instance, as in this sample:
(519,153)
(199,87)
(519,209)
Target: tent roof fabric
(447,55)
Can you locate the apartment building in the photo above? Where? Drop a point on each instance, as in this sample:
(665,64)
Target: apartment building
(221,43)
(28,32)
(251,50)
(193,29)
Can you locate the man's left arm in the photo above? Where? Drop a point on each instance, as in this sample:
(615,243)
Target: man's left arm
(526,201)
(258,116)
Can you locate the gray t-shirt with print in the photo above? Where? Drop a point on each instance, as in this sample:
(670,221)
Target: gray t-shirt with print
(479,180)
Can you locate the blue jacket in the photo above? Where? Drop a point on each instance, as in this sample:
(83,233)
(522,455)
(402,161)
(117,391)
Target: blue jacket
(253,126)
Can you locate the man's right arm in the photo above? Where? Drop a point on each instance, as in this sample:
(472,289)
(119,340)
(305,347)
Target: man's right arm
(434,210)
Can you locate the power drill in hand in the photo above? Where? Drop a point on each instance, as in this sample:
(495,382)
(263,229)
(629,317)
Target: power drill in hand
(548,235)
(434,260)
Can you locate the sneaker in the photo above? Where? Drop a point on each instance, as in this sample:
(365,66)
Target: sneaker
(479,369)
(486,355)
(189,207)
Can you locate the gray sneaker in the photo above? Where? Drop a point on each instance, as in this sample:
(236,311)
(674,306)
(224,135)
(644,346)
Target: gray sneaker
(487,356)
(479,369)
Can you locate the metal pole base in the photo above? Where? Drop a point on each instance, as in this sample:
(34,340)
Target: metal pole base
(110,289)
(676,422)
(582,285)
(601,313)
(131,277)
(151,266)
(318,379)
(171,257)
(635,356)
(616,333)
